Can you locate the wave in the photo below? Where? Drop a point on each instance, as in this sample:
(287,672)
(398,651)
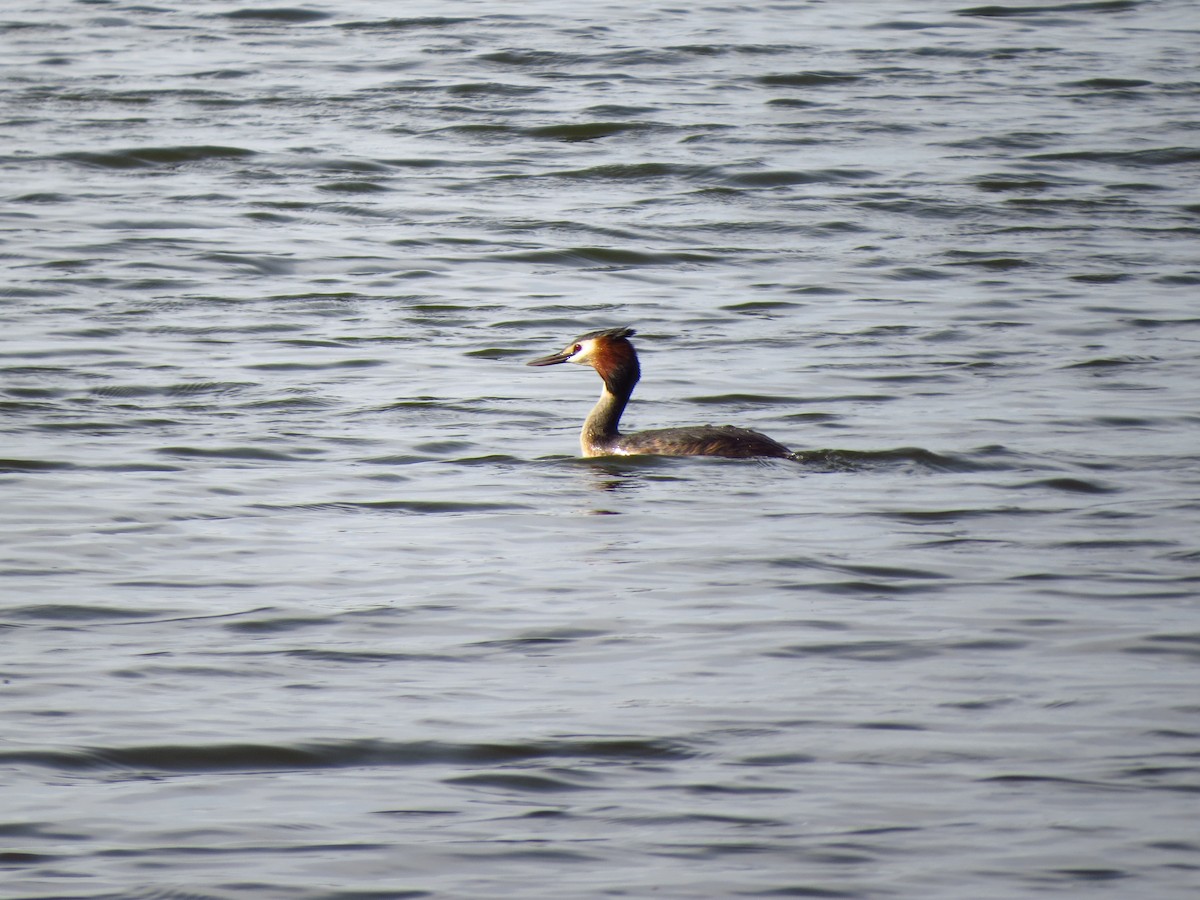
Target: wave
(143,157)
(246,757)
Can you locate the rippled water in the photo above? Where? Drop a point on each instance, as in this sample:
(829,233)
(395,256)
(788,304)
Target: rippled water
(305,594)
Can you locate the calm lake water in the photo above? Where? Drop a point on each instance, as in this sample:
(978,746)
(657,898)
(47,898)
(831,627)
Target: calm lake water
(305,593)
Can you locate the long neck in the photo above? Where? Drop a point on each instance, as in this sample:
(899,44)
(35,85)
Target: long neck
(600,428)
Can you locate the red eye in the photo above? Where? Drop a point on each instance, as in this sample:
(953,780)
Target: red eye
(578,347)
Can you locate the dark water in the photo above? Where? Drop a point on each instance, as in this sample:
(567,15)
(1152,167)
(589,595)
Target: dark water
(306,596)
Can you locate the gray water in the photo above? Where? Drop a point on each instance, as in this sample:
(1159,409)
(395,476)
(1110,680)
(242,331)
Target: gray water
(306,594)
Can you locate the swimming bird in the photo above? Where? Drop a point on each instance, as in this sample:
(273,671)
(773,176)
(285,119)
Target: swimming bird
(611,354)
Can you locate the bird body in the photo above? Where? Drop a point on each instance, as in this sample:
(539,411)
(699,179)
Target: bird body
(611,354)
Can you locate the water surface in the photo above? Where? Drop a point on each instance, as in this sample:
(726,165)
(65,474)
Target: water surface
(306,594)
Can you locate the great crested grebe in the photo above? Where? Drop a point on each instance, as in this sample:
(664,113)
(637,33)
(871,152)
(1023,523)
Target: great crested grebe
(615,361)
